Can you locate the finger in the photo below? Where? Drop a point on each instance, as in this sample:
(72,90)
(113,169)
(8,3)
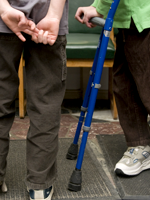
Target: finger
(35,38)
(90,25)
(28,32)
(40,36)
(36,30)
(22,20)
(31,24)
(93,25)
(45,37)
(78,15)
(51,40)
(86,19)
(20,36)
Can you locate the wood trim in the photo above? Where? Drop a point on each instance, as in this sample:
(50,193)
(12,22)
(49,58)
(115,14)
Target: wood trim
(112,37)
(22,101)
(86,63)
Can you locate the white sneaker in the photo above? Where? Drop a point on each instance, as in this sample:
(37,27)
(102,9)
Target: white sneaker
(134,161)
(3,186)
(41,194)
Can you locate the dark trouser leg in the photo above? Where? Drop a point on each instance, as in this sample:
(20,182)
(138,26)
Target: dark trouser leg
(132,85)
(10,52)
(45,77)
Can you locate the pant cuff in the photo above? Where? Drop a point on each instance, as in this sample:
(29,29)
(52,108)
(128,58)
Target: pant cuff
(44,186)
(139,143)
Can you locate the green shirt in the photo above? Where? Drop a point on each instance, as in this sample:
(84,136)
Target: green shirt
(139,10)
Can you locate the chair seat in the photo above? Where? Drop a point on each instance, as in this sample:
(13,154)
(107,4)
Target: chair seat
(84,45)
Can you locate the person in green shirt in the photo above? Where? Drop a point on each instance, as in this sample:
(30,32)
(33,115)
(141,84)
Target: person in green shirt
(37,28)
(131,77)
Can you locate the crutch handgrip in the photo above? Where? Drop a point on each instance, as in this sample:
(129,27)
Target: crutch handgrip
(98,21)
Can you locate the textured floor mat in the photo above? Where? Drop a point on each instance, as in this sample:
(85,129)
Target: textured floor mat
(137,187)
(95,184)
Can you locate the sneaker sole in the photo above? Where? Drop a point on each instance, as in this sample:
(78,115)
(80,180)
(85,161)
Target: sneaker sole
(144,166)
(119,172)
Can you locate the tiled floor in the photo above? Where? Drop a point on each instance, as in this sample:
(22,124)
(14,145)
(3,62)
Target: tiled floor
(102,122)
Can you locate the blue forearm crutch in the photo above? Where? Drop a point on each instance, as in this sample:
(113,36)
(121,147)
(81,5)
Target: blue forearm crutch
(90,97)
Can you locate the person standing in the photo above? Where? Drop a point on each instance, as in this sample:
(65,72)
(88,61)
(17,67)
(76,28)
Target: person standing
(38,28)
(131,72)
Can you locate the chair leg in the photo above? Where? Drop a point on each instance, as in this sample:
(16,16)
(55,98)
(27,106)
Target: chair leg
(112,97)
(22,101)
(114,107)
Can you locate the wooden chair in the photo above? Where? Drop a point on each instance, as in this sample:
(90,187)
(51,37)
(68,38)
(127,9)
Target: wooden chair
(82,44)
(81,47)
(70,63)
(76,62)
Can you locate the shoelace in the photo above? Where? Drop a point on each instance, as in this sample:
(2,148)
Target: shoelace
(131,151)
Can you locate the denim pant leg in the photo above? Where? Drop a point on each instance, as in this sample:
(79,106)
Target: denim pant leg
(132,85)
(10,53)
(45,77)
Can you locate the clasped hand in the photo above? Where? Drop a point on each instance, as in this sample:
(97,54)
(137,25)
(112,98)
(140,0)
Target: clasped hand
(87,13)
(46,31)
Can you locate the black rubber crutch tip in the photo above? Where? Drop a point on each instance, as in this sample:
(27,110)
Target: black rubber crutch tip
(75,181)
(72,152)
